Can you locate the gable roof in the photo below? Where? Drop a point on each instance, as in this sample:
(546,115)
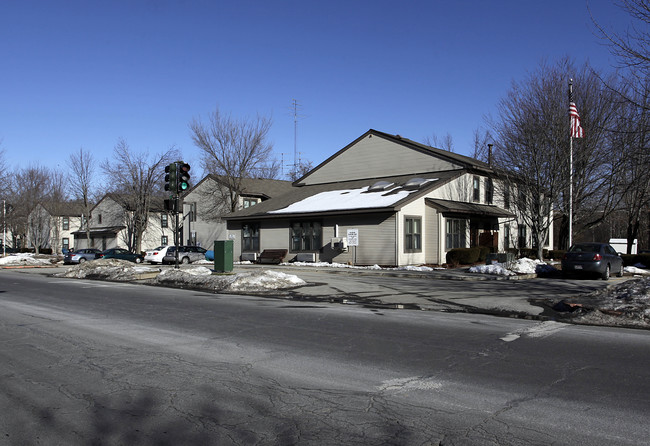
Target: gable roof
(251,187)
(64,208)
(452,160)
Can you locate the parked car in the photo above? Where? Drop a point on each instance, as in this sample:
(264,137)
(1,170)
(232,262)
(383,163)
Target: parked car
(80,255)
(592,258)
(186,254)
(121,253)
(156,255)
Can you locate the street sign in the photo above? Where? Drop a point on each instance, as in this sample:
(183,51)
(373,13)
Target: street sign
(353,237)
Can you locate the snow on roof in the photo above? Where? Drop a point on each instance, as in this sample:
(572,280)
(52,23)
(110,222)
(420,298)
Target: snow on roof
(338,200)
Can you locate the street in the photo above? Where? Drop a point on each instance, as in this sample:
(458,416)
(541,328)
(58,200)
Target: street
(89,362)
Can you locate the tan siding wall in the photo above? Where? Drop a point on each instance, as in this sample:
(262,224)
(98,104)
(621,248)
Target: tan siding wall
(376,235)
(374,157)
(432,240)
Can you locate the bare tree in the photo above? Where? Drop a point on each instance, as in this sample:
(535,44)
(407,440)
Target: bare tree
(234,149)
(82,172)
(300,169)
(444,143)
(532,147)
(136,176)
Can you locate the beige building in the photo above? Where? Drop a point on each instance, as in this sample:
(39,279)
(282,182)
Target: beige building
(384,200)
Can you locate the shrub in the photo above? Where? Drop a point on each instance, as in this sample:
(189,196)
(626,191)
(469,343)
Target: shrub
(463,256)
(556,254)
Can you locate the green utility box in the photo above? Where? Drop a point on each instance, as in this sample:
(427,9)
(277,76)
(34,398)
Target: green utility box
(223,252)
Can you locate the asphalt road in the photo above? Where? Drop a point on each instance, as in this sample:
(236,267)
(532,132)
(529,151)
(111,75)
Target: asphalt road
(84,362)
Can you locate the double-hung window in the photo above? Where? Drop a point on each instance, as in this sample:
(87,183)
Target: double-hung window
(164,220)
(66,223)
(456,233)
(250,237)
(477,188)
(412,234)
(306,236)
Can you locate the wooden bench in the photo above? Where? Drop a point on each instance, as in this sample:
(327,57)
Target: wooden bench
(274,256)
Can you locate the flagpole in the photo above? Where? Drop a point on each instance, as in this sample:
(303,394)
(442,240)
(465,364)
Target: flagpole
(570,171)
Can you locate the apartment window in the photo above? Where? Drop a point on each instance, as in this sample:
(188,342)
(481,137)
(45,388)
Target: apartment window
(250,237)
(65,243)
(456,233)
(248,202)
(164,240)
(522,236)
(99,219)
(164,220)
(506,236)
(306,236)
(477,189)
(412,234)
(506,196)
(66,223)
(489,191)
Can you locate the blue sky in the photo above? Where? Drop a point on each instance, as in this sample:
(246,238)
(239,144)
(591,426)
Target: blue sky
(85,73)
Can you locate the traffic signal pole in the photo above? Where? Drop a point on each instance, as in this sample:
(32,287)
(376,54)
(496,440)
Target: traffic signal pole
(177,179)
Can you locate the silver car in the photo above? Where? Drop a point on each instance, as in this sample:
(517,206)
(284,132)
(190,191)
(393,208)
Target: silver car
(186,254)
(80,255)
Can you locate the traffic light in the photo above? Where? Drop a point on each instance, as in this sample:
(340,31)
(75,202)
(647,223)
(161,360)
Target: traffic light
(171,177)
(183,177)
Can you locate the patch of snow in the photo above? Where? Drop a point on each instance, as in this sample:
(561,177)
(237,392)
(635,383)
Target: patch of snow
(330,265)
(636,270)
(24,259)
(346,199)
(497,269)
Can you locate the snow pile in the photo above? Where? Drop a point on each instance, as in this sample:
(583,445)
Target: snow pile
(497,269)
(520,266)
(199,277)
(636,270)
(107,269)
(626,303)
(24,259)
(266,280)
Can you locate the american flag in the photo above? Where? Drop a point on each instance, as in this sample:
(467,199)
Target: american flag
(576,129)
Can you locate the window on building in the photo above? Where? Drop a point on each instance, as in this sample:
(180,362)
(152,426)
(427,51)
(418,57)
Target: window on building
(164,240)
(66,223)
(65,243)
(522,237)
(456,233)
(248,202)
(506,236)
(506,196)
(306,236)
(489,191)
(477,189)
(250,237)
(164,220)
(99,219)
(192,214)
(412,234)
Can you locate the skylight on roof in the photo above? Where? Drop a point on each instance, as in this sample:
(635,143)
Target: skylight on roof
(416,183)
(380,186)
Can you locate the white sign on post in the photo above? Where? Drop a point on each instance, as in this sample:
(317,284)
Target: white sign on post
(353,237)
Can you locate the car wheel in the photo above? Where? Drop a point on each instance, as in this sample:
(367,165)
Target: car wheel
(605,275)
(138,260)
(621,271)
(185,260)
(82,259)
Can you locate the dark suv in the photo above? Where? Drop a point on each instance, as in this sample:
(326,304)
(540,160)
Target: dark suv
(186,254)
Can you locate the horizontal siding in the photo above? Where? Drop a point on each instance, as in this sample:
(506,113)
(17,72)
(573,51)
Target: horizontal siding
(374,157)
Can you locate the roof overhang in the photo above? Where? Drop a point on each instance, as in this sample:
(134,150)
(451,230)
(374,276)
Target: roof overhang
(101,232)
(447,207)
